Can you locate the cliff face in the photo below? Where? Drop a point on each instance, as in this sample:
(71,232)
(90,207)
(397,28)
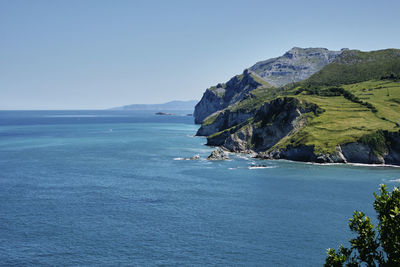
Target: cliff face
(295,65)
(224,120)
(222,95)
(354,152)
(241,132)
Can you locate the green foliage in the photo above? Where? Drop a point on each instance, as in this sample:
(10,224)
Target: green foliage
(335,91)
(337,259)
(395,100)
(257,97)
(212,118)
(391,76)
(259,80)
(376,141)
(387,206)
(373,247)
(354,66)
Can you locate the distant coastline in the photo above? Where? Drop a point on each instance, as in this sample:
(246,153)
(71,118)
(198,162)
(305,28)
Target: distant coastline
(165,113)
(172,105)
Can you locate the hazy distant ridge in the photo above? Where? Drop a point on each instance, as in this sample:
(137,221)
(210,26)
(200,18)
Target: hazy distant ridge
(172,105)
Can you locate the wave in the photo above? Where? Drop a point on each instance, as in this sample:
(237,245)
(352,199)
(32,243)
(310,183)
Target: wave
(344,164)
(199,150)
(195,157)
(373,165)
(180,159)
(245,157)
(261,167)
(320,164)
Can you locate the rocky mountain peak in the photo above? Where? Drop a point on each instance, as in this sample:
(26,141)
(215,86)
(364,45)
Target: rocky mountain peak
(295,65)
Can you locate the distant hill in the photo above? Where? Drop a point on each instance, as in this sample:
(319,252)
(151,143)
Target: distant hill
(172,105)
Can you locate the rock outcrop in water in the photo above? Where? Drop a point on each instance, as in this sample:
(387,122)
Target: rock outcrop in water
(218,154)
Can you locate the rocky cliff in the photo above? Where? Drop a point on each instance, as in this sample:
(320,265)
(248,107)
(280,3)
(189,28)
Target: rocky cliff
(354,152)
(222,95)
(271,122)
(295,65)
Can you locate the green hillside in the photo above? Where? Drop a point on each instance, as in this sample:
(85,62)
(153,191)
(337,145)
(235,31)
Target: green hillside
(344,121)
(354,66)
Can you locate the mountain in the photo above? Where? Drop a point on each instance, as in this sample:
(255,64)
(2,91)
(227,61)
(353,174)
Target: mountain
(295,65)
(172,105)
(349,111)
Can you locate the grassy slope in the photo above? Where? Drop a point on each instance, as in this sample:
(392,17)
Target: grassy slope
(344,121)
(354,66)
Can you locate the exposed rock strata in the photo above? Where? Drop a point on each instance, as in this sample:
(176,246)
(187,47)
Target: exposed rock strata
(272,121)
(224,120)
(355,152)
(219,97)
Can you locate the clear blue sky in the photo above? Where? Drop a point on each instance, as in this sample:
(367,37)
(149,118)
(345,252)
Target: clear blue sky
(91,54)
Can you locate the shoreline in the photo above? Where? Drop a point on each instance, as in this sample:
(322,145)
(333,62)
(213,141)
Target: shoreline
(355,164)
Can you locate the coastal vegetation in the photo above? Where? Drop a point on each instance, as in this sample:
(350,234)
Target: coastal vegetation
(372,245)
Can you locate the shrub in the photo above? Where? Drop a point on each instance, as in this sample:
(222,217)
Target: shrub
(373,247)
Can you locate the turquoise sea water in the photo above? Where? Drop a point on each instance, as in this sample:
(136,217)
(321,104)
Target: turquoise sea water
(106,188)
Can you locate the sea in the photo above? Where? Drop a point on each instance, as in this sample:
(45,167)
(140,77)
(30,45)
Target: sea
(113,188)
